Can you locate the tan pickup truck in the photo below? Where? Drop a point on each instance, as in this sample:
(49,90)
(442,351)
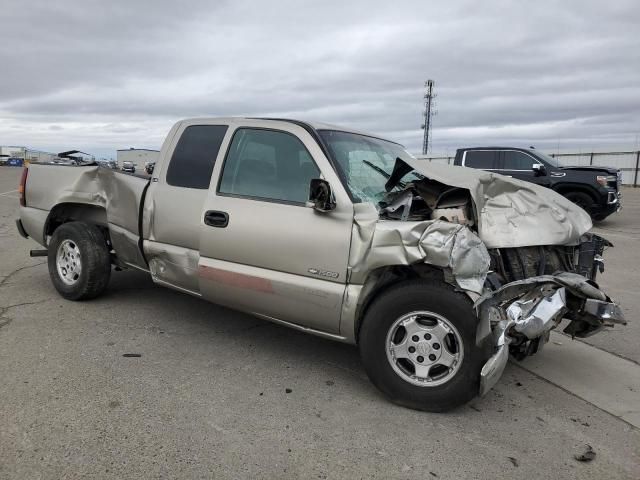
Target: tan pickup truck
(437,273)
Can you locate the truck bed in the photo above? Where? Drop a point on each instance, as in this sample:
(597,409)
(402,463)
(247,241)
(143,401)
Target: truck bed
(115,196)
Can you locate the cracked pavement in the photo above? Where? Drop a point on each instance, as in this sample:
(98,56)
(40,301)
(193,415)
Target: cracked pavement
(219,393)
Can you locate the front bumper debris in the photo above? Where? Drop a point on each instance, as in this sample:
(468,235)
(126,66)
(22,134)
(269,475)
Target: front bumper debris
(493,368)
(535,316)
(522,313)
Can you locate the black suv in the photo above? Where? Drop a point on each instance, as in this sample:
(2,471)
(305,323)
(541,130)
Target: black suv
(595,189)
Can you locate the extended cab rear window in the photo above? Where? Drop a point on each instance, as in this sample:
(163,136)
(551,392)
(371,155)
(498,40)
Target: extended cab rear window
(193,159)
(481,159)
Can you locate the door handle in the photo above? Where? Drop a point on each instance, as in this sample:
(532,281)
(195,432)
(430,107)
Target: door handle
(214,218)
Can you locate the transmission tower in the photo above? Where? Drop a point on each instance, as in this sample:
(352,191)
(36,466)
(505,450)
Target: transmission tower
(429,112)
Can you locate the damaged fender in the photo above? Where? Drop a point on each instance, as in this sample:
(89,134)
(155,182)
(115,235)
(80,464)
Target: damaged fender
(376,243)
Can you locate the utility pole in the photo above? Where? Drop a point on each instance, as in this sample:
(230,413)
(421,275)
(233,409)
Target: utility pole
(429,111)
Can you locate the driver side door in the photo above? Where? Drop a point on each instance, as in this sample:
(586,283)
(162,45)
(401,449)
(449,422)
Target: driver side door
(262,250)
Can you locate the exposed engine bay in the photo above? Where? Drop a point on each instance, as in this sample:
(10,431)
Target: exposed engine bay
(427,199)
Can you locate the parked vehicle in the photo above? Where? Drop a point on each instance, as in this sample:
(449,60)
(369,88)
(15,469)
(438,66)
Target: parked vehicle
(63,161)
(14,162)
(594,189)
(107,163)
(129,167)
(339,234)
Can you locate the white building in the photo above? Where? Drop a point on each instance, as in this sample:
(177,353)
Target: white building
(139,156)
(28,154)
(11,151)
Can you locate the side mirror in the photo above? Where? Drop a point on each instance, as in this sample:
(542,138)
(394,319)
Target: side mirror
(320,195)
(539,169)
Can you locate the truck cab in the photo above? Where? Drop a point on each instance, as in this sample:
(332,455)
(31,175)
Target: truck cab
(227,188)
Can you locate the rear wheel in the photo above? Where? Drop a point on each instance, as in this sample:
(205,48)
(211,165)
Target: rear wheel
(418,346)
(79,261)
(581,199)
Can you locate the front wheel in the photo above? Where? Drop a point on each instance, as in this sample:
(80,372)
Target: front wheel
(583,200)
(79,261)
(418,346)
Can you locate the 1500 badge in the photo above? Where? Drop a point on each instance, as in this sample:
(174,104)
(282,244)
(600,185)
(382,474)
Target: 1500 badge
(323,273)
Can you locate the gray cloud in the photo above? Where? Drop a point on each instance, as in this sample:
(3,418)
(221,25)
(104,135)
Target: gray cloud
(106,75)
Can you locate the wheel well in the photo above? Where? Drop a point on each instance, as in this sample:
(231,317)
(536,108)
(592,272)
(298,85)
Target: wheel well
(383,277)
(569,188)
(74,212)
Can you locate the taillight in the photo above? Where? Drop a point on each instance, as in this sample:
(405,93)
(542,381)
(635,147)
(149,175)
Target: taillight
(23,186)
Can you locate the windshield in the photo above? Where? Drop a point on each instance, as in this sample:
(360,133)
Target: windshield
(365,162)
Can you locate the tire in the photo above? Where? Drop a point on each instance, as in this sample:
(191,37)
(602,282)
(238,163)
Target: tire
(79,261)
(582,200)
(392,377)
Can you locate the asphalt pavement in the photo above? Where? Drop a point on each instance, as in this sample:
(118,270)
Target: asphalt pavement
(145,382)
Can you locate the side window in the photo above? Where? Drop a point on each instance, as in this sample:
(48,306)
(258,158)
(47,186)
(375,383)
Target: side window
(192,161)
(487,159)
(268,164)
(517,160)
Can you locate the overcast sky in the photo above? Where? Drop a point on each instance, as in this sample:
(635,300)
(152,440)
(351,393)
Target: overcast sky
(102,75)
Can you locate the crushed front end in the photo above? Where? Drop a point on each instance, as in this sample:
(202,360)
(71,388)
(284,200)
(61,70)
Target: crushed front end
(530,290)
(523,252)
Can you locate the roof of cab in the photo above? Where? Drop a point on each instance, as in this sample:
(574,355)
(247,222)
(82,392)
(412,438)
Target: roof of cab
(312,124)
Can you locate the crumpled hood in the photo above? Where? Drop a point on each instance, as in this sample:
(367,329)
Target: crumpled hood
(510,212)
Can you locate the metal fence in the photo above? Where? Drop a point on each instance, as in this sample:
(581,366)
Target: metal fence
(628,162)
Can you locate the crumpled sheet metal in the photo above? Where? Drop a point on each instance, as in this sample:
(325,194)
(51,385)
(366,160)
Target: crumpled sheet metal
(575,283)
(456,247)
(535,316)
(609,313)
(50,185)
(175,265)
(512,213)
(123,194)
(377,243)
(533,312)
(493,368)
(119,193)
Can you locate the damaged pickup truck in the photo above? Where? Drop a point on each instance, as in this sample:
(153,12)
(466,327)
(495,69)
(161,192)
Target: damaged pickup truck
(437,273)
